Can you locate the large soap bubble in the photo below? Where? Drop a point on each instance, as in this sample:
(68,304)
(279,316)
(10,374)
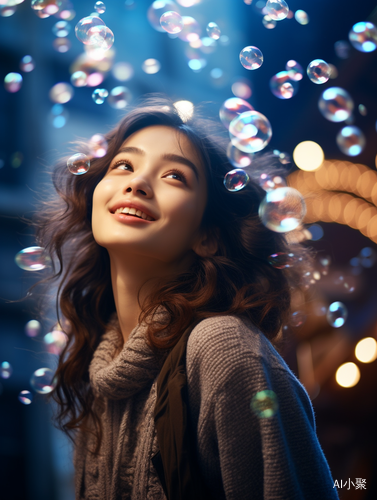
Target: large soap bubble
(282,86)
(231,108)
(363,36)
(282,209)
(251,57)
(100,37)
(336,104)
(277,9)
(237,158)
(318,71)
(78,164)
(250,131)
(157,9)
(32,259)
(351,141)
(171,22)
(84,25)
(43,380)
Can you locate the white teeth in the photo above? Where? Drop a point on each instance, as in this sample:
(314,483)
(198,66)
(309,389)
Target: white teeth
(132,211)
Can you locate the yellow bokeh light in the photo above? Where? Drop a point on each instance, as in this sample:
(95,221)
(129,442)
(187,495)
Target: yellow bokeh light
(308,155)
(366,350)
(347,375)
(185,109)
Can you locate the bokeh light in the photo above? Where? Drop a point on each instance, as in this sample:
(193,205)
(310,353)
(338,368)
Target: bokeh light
(347,375)
(185,109)
(33,328)
(308,155)
(337,314)
(171,22)
(13,82)
(265,404)
(366,350)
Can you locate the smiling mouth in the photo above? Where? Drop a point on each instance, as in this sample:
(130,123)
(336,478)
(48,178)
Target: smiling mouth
(132,212)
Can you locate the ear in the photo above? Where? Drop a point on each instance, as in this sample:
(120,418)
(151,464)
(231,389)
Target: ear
(207,245)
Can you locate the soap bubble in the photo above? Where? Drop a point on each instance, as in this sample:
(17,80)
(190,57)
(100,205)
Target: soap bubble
(25,397)
(79,79)
(7,12)
(32,328)
(236,179)
(100,7)
(99,96)
(119,97)
(282,86)
(78,164)
(84,25)
(342,49)
(55,341)
(282,260)
(32,259)
(282,209)
(264,404)
(250,131)
(251,57)
(213,31)
(13,82)
(363,36)
(231,108)
(350,140)
(268,23)
(277,9)
(285,158)
(98,145)
(62,45)
(61,93)
(100,37)
(337,314)
(318,71)
(27,64)
(301,17)
(171,22)
(6,370)
(151,66)
(270,182)
(241,89)
(123,71)
(295,71)
(43,380)
(335,104)
(297,318)
(61,29)
(157,9)
(191,30)
(46,7)
(237,158)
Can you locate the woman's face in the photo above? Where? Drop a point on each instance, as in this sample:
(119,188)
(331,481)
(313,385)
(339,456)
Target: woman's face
(158,170)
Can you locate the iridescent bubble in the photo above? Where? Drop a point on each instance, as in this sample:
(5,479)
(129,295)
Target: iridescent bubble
(6,370)
(79,79)
(55,341)
(100,7)
(171,22)
(342,49)
(335,104)
(13,82)
(337,314)
(151,66)
(282,209)
(295,71)
(251,57)
(61,93)
(78,164)
(268,23)
(362,110)
(61,45)
(236,179)
(264,404)
(318,71)
(277,9)
(25,397)
(33,328)
(282,260)
(32,259)
(301,17)
(84,25)
(99,96)
(119,97)
(250,131)
(123,71)
(237,158)
(232,108)
(191,30)
(363,36)
(265,181)
(282,86)
(157,9)
(100,37)
(43,380)
(98,145)
(350,140)
(61,29)
(27,64)
(297,318)
(46,7)
(66,11)
(213,31)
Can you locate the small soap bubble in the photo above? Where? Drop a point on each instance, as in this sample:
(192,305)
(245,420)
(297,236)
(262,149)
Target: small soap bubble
(213,31)
(301,17)
(237,158)
(61,29)
(171,22)
(295,71)
(316,231)
(264,404)
(78,164)
(55,342)
(79,79)
(362,110)
(61,45)
(282,260)
(297,318)
(33,328)
(236,179)
(268,23)
(337,314)
(61,93)
(191,30)
(84,25)
(318,71)
(123,71)
(277,9)
(119,97)
(6,370)
(250,131)
(32,259)
(232,108)
(27,64)
(98,145)
(25,397)
(363,36)
(282,86)
(43,380)
(13,82)
(157,9)
(285,158)
(342,49)
(99,96)
(46,7)
(151,66)
(351,140)
(335,104)
(251,57)
(100,7)
(265,181)
(282,209)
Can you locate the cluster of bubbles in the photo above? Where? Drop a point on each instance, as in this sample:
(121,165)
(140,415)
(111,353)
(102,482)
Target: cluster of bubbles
(32,259)
(92,31)
(250,131)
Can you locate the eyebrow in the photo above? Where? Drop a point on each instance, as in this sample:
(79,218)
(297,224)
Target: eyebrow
(168,157)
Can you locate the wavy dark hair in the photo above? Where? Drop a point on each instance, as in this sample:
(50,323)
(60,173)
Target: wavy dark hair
(237,280)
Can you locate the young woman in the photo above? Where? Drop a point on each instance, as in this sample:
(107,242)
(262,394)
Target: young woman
(150,246)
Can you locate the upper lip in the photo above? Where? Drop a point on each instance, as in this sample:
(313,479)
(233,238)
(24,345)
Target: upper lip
(132,204)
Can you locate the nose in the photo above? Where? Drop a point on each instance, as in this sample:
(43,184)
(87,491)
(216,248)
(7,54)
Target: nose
(138,183)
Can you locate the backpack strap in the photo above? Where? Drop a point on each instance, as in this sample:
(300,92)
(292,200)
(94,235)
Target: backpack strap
(176,463)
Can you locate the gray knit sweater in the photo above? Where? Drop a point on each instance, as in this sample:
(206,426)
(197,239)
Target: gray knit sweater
(241,455)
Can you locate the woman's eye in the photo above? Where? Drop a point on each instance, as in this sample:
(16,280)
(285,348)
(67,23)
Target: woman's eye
(122,165)
(179,174)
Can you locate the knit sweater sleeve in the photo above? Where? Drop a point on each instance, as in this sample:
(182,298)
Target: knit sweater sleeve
(260,458)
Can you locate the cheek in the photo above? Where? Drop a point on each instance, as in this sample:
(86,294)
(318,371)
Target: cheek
(101,195)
